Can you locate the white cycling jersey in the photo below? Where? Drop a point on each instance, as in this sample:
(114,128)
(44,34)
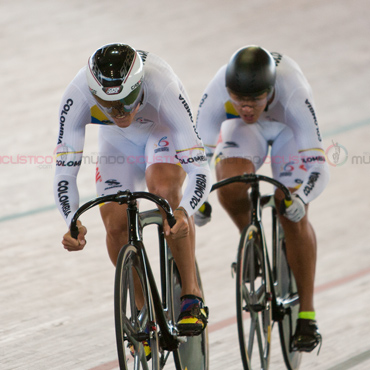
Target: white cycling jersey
(163,126)
(289,117)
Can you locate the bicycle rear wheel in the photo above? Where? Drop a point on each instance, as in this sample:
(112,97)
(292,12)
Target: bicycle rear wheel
(134,326)
(253,301)
(287,298)
(193,354)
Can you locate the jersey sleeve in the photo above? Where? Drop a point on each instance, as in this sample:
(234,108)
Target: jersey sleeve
(74,114)
(211,113)
(301,118)
(175,112)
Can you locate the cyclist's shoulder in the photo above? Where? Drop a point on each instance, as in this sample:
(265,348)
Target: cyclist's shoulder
(78,87)
(289,74)
(156,68)
(216,92)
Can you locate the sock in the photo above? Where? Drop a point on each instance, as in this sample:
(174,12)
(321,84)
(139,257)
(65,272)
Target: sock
(308,315)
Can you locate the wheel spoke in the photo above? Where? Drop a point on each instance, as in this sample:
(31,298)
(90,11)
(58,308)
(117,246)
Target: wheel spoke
(130,322)
(252,290)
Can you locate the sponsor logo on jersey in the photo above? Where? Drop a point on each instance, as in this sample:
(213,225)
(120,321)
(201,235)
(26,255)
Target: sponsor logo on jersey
(63,113)
(318,158)
(204,97)
(311,183)
(198,158)
(287,170)
(163,145)
(200,187)
(98,175)
(63,198)
(310,107)
(187,107)
(196,132)
(112,183)
(277,57)
(230,144)
(69,163)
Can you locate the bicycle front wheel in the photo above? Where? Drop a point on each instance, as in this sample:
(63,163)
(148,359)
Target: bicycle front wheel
(193,354)
(287,298)
(253,301)
(136,331)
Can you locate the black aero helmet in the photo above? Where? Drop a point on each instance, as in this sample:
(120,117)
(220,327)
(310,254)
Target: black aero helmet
(251,71)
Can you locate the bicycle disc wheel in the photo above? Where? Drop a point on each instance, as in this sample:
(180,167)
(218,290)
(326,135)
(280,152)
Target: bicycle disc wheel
(134,327)
(253,302)
(287,296)
(193,354)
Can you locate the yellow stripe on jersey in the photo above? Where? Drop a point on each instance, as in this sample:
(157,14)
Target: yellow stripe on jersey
(307,150)
(65,153)
(98,117)
(230,110)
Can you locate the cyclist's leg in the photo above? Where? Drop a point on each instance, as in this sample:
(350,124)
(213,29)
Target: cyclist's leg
(300,237)
(120,166)
(165,177)
(241,149)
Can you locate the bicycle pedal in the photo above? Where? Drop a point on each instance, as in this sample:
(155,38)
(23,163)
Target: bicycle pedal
(254,308)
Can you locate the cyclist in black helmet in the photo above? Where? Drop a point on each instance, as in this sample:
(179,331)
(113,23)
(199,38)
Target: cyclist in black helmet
(147,138)
(262,100)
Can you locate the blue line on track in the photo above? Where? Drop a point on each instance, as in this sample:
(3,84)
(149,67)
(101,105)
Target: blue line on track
(326,134)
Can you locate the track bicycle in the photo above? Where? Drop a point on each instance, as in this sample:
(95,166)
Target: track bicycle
(265,293)
(154,322)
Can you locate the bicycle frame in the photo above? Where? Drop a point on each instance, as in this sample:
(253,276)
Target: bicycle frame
(256,212)
(135,225)
(282,291)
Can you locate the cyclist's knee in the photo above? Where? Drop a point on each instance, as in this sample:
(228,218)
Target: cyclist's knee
(232,194)
(115,220)
(172,192)
(294,228)
(166,181)
(116,230)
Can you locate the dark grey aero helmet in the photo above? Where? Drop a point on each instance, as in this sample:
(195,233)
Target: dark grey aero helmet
(251,71)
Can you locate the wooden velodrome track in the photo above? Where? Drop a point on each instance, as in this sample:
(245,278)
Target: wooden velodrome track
(56,308)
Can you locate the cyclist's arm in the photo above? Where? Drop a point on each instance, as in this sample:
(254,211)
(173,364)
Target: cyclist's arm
(74,114)
(175,112)
(301,117)
(211,112)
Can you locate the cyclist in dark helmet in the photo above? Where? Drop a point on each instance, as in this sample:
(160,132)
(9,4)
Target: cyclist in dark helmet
(146,139)
(261,100)
(251,72)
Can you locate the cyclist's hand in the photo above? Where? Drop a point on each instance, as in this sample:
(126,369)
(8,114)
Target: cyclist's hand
(296,211)
(203,215)
(181,227)
(72,244)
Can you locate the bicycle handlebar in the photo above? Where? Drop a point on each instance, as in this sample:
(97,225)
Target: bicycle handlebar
(123,197)
(250,178)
